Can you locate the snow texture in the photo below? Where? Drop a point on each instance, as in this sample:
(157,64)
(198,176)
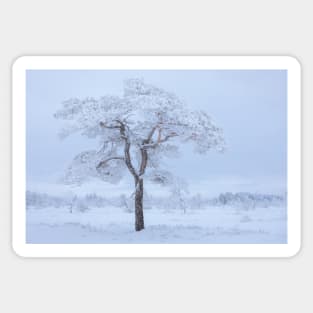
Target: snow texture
(252,218)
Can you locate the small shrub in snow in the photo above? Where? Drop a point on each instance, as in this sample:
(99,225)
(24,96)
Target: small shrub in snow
(81,207)
(245,219)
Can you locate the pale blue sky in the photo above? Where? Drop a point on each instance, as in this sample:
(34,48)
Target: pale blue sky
(250,105)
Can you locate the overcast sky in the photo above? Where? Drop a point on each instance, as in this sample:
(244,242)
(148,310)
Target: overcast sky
(250,106)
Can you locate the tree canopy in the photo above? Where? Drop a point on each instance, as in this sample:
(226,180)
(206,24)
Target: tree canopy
(135,132)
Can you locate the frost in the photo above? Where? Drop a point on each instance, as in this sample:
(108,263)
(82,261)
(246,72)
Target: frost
(161,177)
(135,133)
(146,118)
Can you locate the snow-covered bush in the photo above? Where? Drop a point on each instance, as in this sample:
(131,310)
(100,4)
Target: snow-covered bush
(126,203)
(198,202)
(179,191)
(82,207)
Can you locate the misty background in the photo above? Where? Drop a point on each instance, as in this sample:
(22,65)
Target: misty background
(250,106)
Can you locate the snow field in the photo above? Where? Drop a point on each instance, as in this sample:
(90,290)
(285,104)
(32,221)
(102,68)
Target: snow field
(211,224)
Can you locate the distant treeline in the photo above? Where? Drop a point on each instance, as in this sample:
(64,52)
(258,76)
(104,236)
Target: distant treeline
(249,200)
(243,200)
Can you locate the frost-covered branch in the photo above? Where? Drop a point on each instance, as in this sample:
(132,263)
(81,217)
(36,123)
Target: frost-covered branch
(138,126)
(102,163)
(109,126)
(150,135)
(135,130)
(158,142)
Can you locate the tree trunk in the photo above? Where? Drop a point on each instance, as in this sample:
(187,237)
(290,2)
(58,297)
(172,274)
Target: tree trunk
(139,222)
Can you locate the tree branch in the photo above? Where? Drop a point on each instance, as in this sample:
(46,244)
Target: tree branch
(144,161)
(151,134)
(107,160)
(127,149)
(109,126)
(159,141)
(143,150)
(127,158)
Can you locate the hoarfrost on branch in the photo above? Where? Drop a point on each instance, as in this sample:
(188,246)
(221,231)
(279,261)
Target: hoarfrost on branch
(135,132)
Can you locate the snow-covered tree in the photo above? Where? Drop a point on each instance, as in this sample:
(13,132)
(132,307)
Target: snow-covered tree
(179,191)
(124,202)
(135,132)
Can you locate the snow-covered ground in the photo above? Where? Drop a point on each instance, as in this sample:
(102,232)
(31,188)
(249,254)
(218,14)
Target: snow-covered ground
(210,224)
